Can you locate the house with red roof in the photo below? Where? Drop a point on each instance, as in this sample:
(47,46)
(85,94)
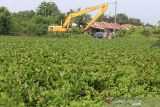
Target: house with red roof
(108,29)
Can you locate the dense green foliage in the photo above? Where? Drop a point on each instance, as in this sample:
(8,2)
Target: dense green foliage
(136,22)
(5,25)
(72,70)
(156,30)
(78,71)
(35,23)
(30,22)
(82,20)
(123,33)
(48,9)
(147,32)
(121,19)
(34,26)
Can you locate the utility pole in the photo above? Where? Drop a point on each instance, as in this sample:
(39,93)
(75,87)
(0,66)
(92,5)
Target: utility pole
(115,18)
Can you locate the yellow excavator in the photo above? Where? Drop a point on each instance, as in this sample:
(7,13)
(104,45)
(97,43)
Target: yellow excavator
(67,24)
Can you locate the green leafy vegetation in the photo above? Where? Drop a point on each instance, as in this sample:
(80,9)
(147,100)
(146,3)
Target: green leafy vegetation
(123,33)
(74,69)
(157,30)
(147,32)
(4,21)
(121,19)
(80,71)
(35,23)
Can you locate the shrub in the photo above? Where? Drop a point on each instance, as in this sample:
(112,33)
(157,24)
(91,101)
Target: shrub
(76,30)
(122,33)
(156,30)
(138,30)
(147,32)
(157,43)
(5,24)
(41,29)
(59,34)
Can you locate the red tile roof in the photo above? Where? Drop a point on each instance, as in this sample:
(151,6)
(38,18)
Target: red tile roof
(99,25)
(115,26)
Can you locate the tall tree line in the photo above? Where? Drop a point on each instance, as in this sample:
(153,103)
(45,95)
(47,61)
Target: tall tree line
(121,19)
(31,22)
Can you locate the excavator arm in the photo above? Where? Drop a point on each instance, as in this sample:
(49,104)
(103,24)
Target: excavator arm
(66,25)
(103,9)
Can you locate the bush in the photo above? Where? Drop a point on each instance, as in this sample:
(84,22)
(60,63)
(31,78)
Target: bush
(4,24)
(157,43)
(147,32)
(76,30)
(29,27)
(59,34)
(41,29)
(122,33)
(156,30)
(137,30)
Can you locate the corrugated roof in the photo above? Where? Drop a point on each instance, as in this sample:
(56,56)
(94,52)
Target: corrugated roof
(114,26)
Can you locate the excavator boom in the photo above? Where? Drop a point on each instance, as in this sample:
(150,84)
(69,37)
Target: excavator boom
(66,25)
(103,9)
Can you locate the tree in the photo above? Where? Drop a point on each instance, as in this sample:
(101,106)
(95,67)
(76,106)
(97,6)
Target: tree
(81,20)
(48,9)
(5,11)
(122,18)
(28,14)
(136,22)
(149,25)
(5,24)
(70,11)
(22,23)
(40,20)
(111,19)
(59,17)
(102,18)
(38,25)
(158,23)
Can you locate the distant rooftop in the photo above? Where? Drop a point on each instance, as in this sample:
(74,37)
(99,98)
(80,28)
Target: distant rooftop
(115,26)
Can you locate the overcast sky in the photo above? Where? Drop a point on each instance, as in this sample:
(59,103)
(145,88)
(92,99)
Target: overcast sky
(146,10)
